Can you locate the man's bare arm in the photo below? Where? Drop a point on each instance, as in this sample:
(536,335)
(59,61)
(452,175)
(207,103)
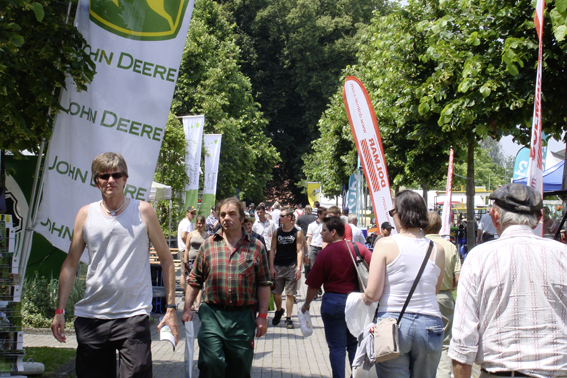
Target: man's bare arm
(272,253)
(166,260)
(263,293)
(69,271)
(461,370)
(190,295)
(299,245)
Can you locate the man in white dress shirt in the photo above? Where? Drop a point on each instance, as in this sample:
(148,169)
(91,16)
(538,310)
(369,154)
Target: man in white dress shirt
(511,310)
(314,238)
(357,234)
(486,230)
(263,226)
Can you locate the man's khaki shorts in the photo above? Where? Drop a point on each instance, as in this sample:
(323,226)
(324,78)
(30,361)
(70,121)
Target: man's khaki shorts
(285,278)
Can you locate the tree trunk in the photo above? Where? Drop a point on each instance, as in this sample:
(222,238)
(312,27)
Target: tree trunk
(425,187)
(471,222)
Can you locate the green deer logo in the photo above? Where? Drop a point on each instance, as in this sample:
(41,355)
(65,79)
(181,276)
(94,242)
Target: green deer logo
(146,20)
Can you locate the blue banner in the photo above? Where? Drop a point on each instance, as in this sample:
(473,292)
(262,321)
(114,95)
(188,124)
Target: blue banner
(521,163)
(351,196)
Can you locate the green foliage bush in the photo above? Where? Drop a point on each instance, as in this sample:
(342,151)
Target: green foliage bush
(39,301)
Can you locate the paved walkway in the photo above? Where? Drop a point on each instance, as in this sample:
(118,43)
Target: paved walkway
(280,353)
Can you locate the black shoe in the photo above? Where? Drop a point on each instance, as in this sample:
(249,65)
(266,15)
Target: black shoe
(278,317)
(288,323)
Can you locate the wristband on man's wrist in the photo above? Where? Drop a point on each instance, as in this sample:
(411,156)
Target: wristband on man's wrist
(263,316)
(60,311)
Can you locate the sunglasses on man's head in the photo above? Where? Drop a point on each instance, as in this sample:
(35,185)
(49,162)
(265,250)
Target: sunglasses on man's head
(392,212)
(115,175)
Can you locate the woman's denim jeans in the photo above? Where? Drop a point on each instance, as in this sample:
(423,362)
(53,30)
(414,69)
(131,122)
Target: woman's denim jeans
(421,341)
(338,337)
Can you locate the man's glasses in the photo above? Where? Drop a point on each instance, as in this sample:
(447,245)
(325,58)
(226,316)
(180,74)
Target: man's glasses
(392,212)
(115,175)
(284,215)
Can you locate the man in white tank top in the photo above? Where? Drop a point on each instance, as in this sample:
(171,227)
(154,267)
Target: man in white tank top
(114,314)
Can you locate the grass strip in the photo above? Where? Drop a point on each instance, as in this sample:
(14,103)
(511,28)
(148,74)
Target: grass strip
(51,358)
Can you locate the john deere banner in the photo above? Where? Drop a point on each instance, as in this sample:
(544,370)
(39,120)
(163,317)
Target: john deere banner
(366,135)
(446,214)
(193,127)
(137,48)
(313,192)
(212,156)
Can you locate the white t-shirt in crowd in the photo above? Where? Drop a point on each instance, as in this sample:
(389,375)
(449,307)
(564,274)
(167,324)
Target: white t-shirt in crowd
(314,230)
(184,226)
(266,229)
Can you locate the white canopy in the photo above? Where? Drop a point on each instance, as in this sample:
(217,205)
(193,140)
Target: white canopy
(159,192)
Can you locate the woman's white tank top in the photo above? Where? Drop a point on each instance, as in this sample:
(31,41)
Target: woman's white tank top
(401,273)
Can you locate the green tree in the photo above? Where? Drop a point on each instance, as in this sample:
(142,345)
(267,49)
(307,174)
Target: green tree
(295,51)
(520,53)
(469,45)
(334,156)
(435,72)
(37,50)
(390,67)
(488,172)
(210,82)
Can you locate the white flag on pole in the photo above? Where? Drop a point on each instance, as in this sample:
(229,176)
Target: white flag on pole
(213,144)
(446,214)
(193,127)
(535,167)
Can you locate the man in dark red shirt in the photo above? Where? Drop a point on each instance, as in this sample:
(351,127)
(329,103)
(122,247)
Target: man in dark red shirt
(335,270)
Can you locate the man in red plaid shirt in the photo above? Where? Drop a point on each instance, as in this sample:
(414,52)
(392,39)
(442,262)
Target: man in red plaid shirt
(234,269)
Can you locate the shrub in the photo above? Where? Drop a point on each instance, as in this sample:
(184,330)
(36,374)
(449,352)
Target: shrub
(39,301)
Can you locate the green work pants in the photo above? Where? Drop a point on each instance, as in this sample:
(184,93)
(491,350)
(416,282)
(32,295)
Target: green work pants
(226,340)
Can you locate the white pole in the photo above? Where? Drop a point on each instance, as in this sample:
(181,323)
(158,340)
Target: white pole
(169,238)
(32,211)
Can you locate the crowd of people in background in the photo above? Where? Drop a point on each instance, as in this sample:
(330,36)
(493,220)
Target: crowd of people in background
(510,316)
(319,239)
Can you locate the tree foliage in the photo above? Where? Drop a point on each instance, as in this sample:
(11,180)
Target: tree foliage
(334,158)
(390,68)
(439,74)
(488,171)
(210,82)
(295,51)
(37,50)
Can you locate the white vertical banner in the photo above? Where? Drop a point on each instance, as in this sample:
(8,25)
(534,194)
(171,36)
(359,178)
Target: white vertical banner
(535,167)
(213,144)
(137,48)
(446,214)
(193,127)
(366,135)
